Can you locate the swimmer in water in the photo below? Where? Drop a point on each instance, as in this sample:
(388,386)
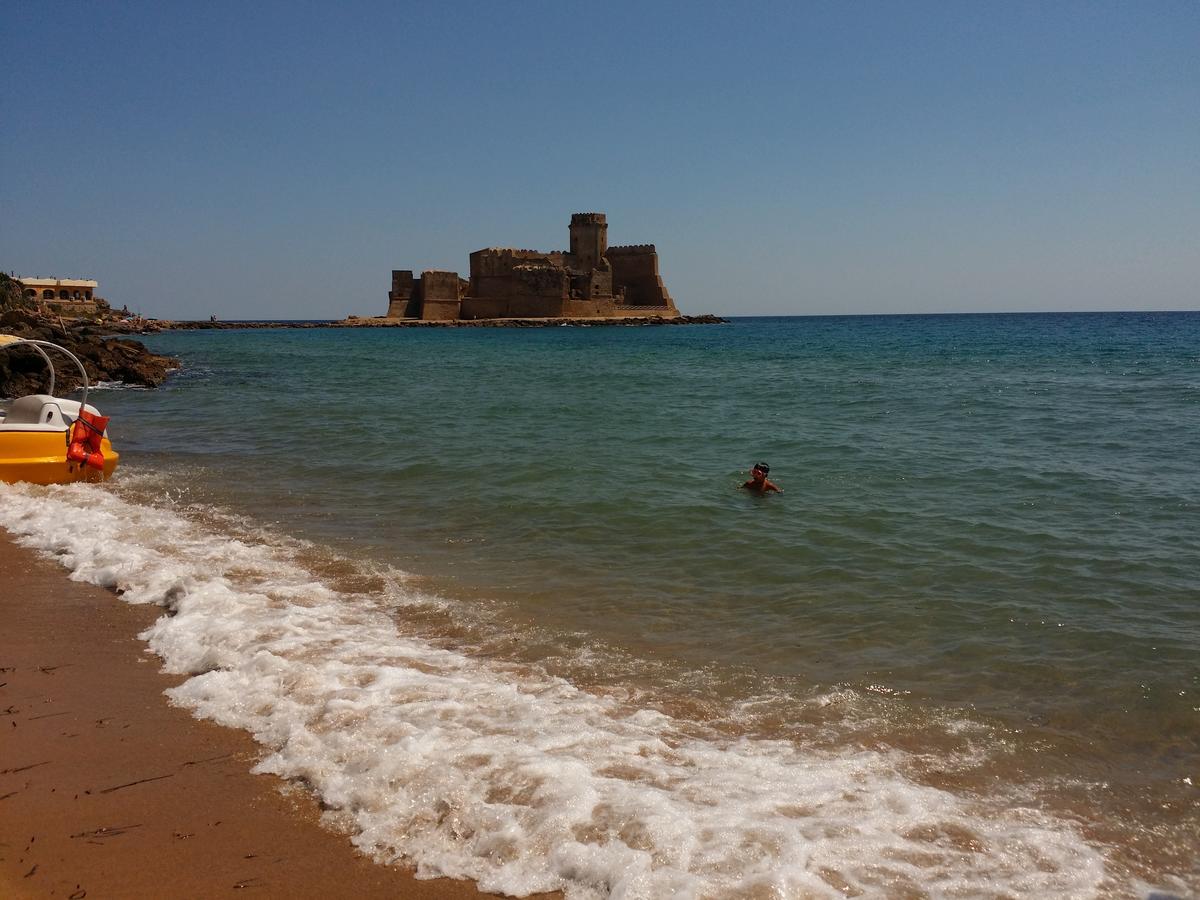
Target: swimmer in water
(758,480)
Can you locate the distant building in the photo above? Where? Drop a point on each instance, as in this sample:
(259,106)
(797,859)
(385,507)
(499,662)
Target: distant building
(588,281)
(69,296)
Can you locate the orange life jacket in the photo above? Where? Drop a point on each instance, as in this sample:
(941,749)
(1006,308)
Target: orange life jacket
(86,434)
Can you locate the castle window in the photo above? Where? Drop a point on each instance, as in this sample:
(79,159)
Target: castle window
(63,295)
(30,292)
(47,294)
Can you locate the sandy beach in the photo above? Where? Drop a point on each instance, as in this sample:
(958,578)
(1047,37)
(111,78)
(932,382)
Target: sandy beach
(107,790)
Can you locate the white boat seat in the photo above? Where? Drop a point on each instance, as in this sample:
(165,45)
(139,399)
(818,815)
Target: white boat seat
(41,412)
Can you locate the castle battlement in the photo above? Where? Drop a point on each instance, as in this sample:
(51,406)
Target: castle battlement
(511,251)
(590,280)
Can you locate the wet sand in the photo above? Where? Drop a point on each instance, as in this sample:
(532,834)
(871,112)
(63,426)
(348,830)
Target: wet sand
(107,790)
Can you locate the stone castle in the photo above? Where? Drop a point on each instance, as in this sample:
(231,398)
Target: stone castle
(591,280)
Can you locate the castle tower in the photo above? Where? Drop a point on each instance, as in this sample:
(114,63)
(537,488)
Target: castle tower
(589,240)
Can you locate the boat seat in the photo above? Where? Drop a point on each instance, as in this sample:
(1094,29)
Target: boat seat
(36,409)
(38,412)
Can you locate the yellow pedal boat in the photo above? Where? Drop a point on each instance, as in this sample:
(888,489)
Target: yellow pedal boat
(51,440)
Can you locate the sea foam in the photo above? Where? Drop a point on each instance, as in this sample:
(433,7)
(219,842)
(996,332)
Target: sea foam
(470,767)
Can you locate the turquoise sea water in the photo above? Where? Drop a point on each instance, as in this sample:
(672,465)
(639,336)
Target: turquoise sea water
(987,548)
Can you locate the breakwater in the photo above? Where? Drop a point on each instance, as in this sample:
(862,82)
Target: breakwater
(381,322)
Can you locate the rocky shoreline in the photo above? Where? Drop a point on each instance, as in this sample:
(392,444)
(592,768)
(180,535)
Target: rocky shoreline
(105,357)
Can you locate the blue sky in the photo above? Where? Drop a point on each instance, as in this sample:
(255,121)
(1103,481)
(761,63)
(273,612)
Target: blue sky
(278,160)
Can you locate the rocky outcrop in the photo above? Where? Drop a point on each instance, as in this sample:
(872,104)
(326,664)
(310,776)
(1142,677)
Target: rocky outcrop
(106,358)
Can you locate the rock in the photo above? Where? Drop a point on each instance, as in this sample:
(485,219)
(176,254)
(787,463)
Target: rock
(104,357)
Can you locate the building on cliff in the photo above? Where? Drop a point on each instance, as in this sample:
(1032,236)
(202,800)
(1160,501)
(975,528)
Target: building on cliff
(591,280)
(65,296)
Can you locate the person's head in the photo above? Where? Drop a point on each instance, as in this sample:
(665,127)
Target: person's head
(759,472)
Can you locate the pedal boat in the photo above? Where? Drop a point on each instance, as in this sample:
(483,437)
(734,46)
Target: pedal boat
(51,440)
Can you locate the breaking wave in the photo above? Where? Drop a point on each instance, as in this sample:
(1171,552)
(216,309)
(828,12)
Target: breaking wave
(468,766)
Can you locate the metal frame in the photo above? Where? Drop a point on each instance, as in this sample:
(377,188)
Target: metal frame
(38,345)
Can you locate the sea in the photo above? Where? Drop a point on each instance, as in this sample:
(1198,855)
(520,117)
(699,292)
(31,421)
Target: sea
(497,598)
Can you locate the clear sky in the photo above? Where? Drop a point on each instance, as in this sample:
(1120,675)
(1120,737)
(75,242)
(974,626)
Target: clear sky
(279,159)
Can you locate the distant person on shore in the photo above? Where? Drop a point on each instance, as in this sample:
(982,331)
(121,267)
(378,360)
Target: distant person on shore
(758,480)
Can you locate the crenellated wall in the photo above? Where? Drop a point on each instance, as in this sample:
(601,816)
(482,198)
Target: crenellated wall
(404,301)
(511,283)
(589,240)
(435,295)
(440,298)
(635,271)
(591,279)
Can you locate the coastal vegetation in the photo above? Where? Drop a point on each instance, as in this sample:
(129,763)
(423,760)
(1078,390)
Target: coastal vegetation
(11,295)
